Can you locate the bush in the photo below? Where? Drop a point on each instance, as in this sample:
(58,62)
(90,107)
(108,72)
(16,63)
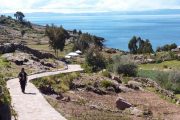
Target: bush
(127,69)
(159,61)
(106,74)
(106,83)
(165,66)
(95,60)
(123,64)
(56,84)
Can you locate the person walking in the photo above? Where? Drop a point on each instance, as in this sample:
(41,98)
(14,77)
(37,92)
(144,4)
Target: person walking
(23,79)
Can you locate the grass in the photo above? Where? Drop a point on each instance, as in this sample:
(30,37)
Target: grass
(4,63)
(174,64)
(178,96)
(4,93)
(152,74)
(58,83)
(106,83)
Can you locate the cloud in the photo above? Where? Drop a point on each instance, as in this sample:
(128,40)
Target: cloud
(76,6)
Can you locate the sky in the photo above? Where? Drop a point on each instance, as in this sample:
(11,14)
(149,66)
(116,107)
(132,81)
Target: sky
(85,6)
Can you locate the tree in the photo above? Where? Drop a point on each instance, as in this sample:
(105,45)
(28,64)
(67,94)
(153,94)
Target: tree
(80,32)
(95,60)
(19,16)
(85,41)
(74,31)
(98,42)
(57,37)
(140,46)
(166,47)
(133,45)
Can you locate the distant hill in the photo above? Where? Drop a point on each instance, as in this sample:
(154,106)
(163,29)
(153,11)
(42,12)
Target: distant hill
(150,12)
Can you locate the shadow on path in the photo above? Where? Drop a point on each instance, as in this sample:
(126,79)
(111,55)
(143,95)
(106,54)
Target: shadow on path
(30,93)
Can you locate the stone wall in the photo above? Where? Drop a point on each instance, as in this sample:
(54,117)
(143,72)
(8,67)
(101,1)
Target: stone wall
(12,47)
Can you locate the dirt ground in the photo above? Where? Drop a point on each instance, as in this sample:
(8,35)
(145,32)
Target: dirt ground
(160,108)
(90,106)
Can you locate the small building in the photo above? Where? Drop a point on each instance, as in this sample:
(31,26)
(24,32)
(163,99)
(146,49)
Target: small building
(176,49)
(78,52)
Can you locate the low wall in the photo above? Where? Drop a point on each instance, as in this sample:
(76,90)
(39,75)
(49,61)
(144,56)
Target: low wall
(12,47)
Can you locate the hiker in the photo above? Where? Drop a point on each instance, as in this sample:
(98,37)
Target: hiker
(23,79)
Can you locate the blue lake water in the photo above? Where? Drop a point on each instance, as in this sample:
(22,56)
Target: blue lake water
(119,29)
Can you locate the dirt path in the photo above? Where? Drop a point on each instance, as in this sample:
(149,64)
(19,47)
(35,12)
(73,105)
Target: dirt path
(32,105)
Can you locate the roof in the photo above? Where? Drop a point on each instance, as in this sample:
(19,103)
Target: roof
(72,54)
(78,51)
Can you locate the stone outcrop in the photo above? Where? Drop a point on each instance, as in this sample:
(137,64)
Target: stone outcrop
(122,104)
(12,47)
(150,83)
(134,85)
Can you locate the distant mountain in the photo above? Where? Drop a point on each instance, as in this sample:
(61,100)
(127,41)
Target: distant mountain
(150,12)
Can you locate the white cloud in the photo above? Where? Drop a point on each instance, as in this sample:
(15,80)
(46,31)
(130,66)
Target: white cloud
(70,6)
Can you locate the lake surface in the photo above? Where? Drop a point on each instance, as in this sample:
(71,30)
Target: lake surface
(119,29)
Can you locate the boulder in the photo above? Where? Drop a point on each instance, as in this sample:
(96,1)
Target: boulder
(110,89)
(18,62)
(178,102)
(66,99)
(96,90)
(136,112)
(134,85)
(125,89)
(122,104)
(116,78)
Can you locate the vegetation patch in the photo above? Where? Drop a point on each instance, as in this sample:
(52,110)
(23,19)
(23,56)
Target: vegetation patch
(55,84)
(174,64)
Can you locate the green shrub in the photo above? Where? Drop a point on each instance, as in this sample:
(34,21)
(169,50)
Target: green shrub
(106,74)
(5,96)
(87,68)
(123,64)
(148,74)
(106,83)
(165,66)
(127,69)
(57,83)
(169,81)
(95,60)
(159,61)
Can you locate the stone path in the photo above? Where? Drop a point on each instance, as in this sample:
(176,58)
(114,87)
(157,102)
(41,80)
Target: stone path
(32,105)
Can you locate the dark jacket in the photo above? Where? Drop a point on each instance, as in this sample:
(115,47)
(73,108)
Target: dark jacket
(22,76)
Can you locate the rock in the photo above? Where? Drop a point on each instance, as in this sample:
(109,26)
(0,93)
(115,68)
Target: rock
(66,99)
(96,84)
(111,89)
(94,107)
(17,62)
(59,97)
(134,85)
(125,89)
(111,51)
(26,60)
(136,112)
(178,102)
(116,78)
(116,88)
(12,47)
(122,104)
(96,90)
